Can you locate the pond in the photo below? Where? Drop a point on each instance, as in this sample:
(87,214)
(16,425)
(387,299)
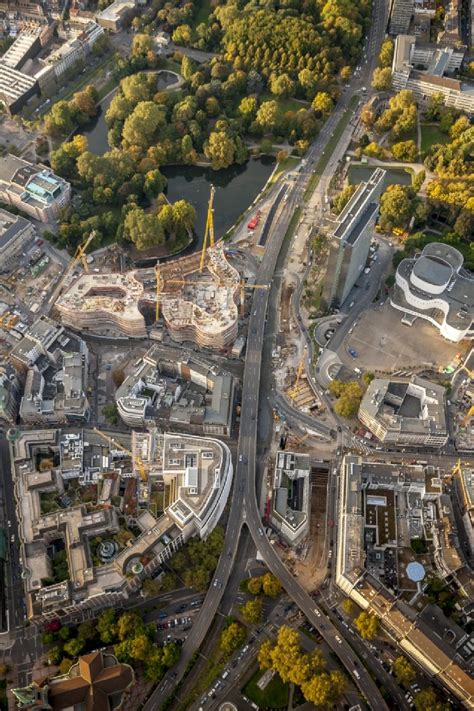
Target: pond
(394,176)
(96,131)
(236,186)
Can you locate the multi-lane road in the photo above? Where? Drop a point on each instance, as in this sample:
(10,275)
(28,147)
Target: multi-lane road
(244,506)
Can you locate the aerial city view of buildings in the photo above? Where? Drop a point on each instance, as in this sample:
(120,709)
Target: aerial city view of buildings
(236,355)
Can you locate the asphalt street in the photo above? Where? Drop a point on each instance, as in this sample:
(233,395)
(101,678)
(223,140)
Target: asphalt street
(244,506)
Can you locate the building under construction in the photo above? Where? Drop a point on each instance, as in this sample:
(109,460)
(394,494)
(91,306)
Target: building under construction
(195,306)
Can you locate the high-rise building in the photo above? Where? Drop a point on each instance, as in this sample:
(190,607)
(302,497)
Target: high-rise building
(400,16)
(350,240)
(10,393)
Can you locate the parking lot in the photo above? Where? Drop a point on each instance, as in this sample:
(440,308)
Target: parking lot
(382,343)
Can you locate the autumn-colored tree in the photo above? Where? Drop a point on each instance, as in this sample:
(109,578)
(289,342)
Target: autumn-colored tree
(232,638)
(404,671)
(428,700)
(348,606)
(254,585)
(252,610)
(271,586)
(382,79)
(367,624)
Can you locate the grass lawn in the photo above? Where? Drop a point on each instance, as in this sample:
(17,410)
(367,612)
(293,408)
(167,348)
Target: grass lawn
(430,134)
(275,694)
(285,105)
(288,164)
(203,12)
(330,146)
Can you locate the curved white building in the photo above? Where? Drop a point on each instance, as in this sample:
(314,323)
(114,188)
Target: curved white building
(437,288)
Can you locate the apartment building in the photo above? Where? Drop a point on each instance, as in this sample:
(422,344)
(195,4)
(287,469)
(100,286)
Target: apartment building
(74,50)
(350,240)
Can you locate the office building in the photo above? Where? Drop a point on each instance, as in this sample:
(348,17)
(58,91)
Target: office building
(291,501)
(16,235)
(55,364)
(180,389)
(10,393)
(53,472)
(400,16)
(350,240)
(382,507)
(26,45)
(431,80)
(405,412)
(16,89)
(434,286)
(33,189)
(117,15)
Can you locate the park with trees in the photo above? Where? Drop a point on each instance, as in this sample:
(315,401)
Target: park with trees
(259,90)
(306,670)
(133,641)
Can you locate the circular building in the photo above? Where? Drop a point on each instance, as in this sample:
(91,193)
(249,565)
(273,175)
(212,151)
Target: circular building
(415,571)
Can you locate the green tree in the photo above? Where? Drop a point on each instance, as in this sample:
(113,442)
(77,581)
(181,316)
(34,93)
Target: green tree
(74,647)
(323,103)
(65,665)
(171,654)
(348,606)
(396,207)
(154,668)
(141,127)
(85,102)
(367,624)
(141,45)
(405,151)
(144,229)
(54,655)
(254,585)
(252,610)
(427,700)
(136,88)
(281,85)
(267,116)
(220,150)
(248,107)
(64,633)
(382,79)
(87,630)
(129,625)
(271,586)
(182,35)
(232,638)
(386,54)
(107,626)
(110,412)
(60,119)
(64,158)
(403,670)
(187,67)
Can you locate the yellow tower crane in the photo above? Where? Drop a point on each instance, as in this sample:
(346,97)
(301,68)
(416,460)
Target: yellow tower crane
(293,392)
(135,459)
(79,256)
(468,416)
(455,470)
(209,231)
(469,372)
(243,286)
